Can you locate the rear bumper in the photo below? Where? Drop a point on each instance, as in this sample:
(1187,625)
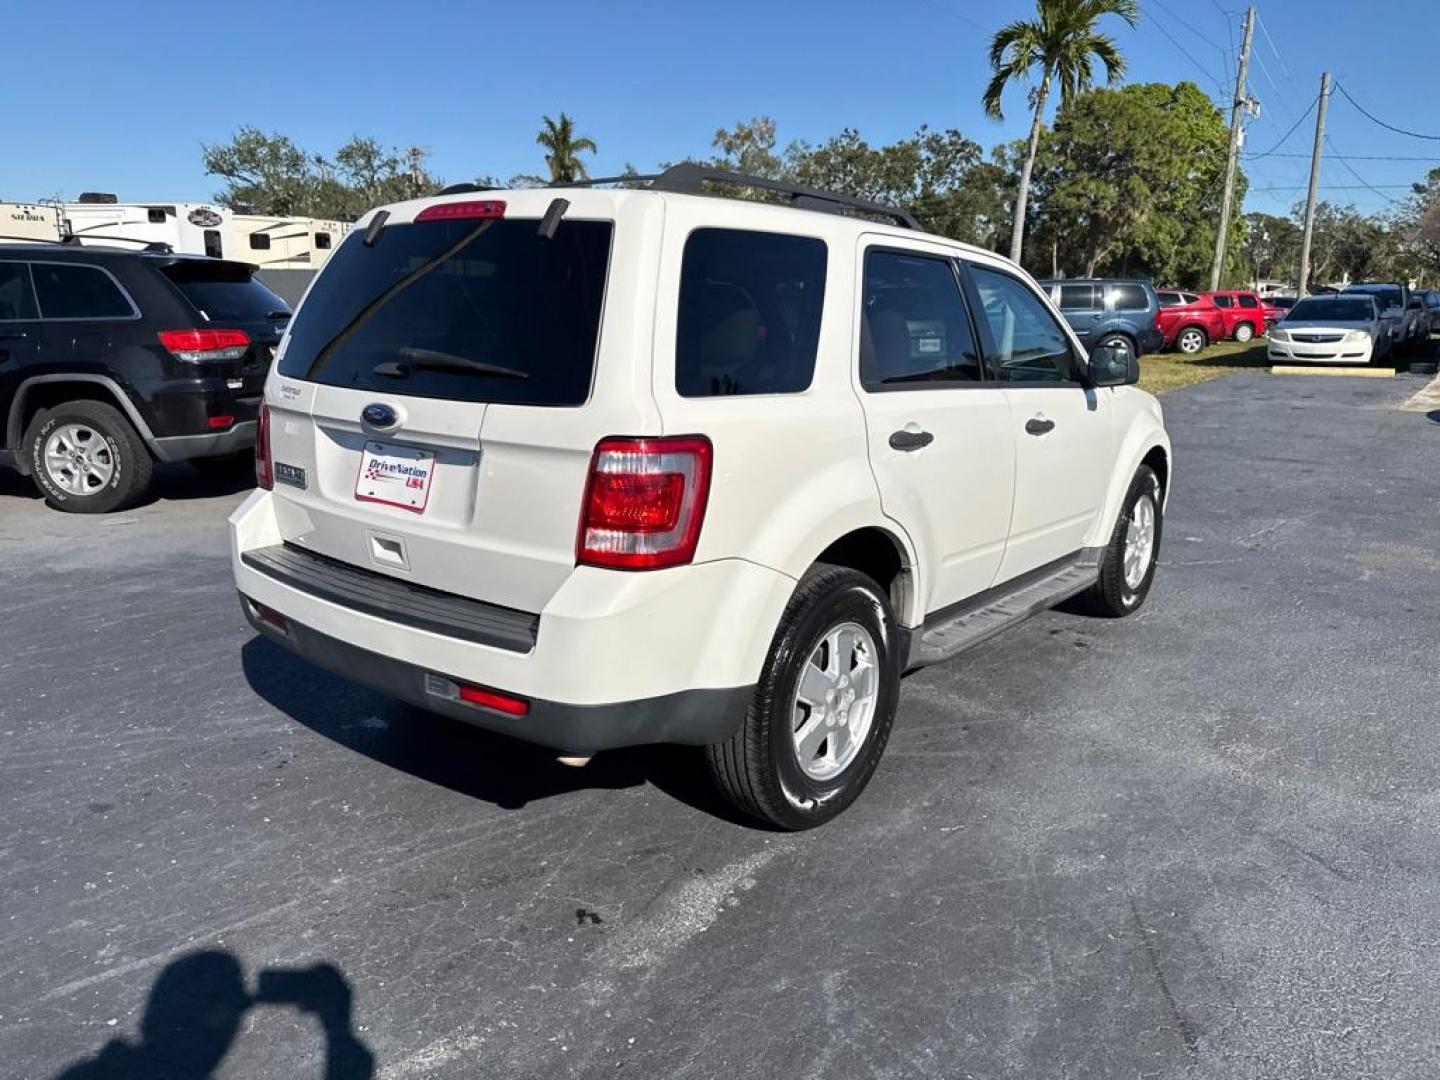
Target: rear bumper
(693,717)
(1151,340)
(613,659)
(185,447)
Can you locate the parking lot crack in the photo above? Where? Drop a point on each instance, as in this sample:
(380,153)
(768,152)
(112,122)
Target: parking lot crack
(1188,1035)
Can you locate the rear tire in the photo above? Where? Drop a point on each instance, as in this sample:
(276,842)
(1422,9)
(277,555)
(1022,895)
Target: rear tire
(1119,339)
(1244,332)
(87,459)
(796,764)
(1191,340)
(1128,566)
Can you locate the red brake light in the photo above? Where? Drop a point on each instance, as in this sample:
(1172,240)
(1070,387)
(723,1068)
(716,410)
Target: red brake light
(469,208)
(264,473)
(644,502)
(201,345)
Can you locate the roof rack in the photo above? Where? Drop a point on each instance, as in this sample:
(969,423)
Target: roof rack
(688,178)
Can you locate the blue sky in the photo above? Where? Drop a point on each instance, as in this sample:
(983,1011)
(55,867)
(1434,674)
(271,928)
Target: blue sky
(120,97)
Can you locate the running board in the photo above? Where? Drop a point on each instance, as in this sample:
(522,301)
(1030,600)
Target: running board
(947,633)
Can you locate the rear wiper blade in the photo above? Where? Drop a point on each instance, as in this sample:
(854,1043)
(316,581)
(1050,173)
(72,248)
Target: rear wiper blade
(430,360)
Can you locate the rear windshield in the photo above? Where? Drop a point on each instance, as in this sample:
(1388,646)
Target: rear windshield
(1340,310)
(507,316)
(1385,296)
(226,292)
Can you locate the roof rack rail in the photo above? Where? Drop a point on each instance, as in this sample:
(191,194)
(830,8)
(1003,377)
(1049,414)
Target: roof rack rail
(688,178)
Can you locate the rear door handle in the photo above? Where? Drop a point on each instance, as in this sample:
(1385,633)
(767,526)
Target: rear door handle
(1039,425)
(910,440)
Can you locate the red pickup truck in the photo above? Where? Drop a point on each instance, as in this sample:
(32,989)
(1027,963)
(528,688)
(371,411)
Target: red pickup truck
(1245,313)
(1189,321)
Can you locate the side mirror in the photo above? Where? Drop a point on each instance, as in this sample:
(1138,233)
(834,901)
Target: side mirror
(1114,364)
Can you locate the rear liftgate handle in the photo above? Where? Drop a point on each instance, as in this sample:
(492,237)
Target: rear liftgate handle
(907,440)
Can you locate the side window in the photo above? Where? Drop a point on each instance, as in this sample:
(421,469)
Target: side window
(78,292)
(749,319)
(259,241)
(1190,298)
(1223,301)
(914,327)
(1247,301)
(1079,298)
(1130,298)
(1028,345)
(1170,299)
(322,240)
(17,301)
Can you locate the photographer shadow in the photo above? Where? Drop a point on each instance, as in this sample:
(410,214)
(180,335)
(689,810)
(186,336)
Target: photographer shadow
(194,1011)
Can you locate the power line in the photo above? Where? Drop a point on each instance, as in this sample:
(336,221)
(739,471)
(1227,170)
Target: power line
(1189,26)
(1267,153)
(1375,189)
(1266,31)
(1185,53)
(1362,186)
(1382,123)
(1432,158)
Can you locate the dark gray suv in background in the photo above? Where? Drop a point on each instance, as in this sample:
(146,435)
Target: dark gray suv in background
(1110,310)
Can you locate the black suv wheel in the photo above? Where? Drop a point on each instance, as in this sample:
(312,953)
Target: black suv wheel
(822,711)
(87,459)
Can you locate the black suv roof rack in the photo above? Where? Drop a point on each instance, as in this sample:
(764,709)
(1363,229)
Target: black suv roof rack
(688,178)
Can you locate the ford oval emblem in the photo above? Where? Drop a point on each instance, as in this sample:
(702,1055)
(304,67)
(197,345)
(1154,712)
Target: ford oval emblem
(380,416)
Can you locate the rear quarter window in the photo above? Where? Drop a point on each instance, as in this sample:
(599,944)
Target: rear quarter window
(79,292)
(1130,297)
(464,310)
(749,313)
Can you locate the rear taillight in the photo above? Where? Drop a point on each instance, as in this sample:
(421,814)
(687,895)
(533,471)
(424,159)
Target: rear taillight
(198,346)
(644,502)
(470,208)
(264,470)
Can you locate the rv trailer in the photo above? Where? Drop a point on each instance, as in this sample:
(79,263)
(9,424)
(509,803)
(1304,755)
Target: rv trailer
(284,243)
(184,228)
(27,223)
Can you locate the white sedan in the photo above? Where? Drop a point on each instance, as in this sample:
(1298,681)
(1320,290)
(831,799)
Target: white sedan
(1336,329)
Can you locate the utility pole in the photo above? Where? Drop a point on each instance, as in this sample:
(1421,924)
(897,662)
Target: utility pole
(1314,182)
(1237,114)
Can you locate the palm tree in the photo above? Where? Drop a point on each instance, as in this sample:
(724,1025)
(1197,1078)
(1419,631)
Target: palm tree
(564,148)
(1064,44)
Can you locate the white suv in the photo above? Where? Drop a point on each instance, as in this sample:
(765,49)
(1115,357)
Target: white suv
(604,467)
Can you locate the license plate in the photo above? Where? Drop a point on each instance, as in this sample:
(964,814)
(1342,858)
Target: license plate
(395,475)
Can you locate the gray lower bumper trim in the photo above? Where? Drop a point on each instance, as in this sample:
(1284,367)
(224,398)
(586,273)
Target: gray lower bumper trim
(184,447)
(690,717)
(397,601)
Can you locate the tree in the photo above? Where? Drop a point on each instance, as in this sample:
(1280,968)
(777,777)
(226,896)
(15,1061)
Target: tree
(563,149)
(1129,181)
(1273,245)
(749,147)
(1064,44)
(268,174)
(936,175)
(265,172)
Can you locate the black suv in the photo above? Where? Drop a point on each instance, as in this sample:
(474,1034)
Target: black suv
(111,360)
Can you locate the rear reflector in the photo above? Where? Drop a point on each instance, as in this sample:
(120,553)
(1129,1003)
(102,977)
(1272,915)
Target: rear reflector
(271,616)
(644,502)
(449,690)
(470,208)
(264,470)
(198,346)
(492,699)
(221,421)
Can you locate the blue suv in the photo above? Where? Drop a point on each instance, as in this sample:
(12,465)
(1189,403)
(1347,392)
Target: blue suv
(1106,310)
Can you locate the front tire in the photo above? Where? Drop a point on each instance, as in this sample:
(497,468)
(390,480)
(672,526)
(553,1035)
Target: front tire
(87,459)
(1128,566)
(1191,340)
(823,708)
(1244,332)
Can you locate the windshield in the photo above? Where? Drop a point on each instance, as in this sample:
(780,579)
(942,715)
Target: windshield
(226,292)
(509,317)
(1333,308)
(1386,296)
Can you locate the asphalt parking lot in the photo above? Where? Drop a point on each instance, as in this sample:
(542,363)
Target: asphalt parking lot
(1197,843)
